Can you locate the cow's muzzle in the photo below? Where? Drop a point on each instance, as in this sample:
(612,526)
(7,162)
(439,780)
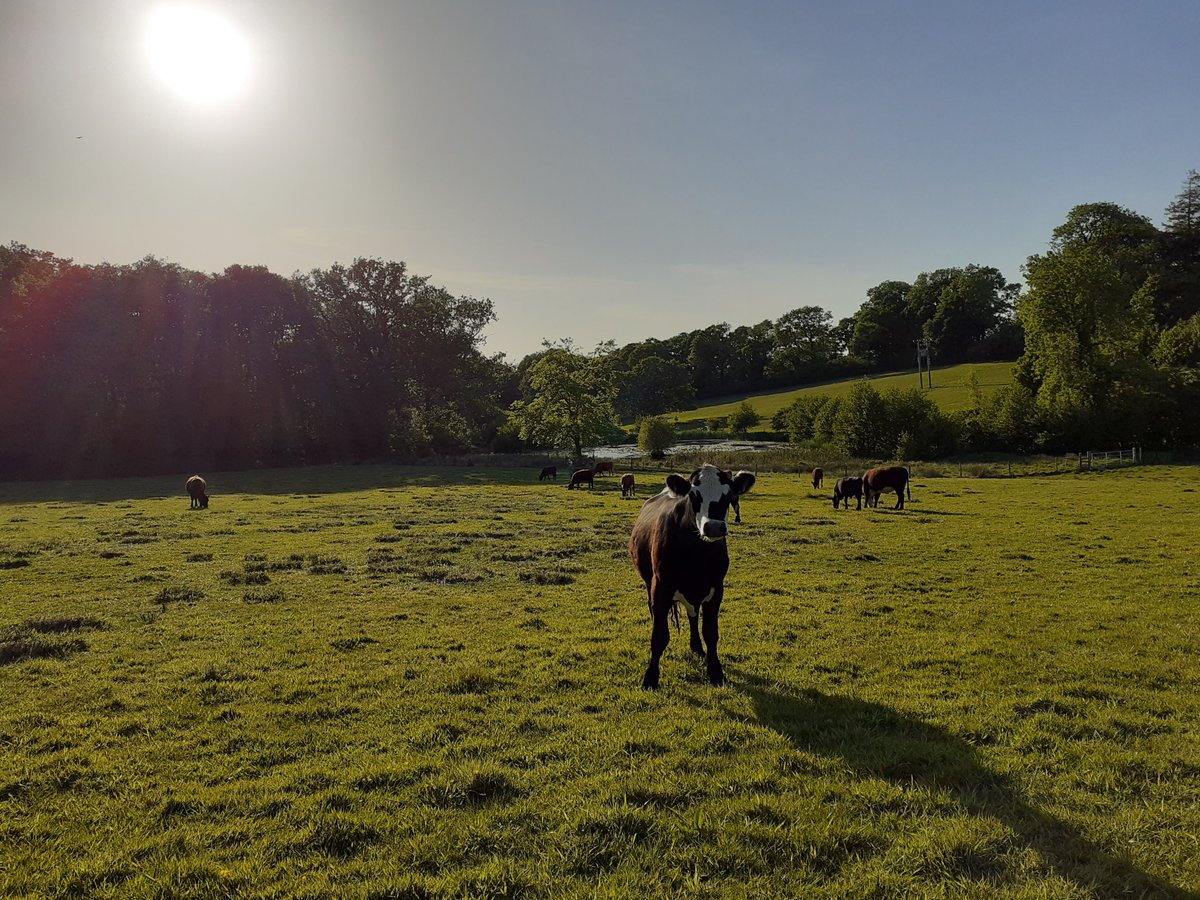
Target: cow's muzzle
(714,530)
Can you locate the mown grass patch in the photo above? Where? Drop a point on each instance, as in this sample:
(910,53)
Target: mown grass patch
(991,693)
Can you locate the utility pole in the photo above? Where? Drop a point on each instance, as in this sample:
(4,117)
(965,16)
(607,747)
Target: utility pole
(923,362)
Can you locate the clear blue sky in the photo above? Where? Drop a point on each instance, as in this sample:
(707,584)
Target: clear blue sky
(620,169)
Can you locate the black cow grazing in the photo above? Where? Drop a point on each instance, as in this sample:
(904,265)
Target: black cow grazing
(196,487)
(604,466)
(628,487)
(886,478)
(737,509)
(549,472)
(579,476)
(678,547)
(845,488)
(818,476)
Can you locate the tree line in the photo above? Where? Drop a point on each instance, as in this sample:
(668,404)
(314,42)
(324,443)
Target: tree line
(1111,321)
(120,369)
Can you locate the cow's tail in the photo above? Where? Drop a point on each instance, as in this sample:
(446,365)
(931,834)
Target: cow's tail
(908,483)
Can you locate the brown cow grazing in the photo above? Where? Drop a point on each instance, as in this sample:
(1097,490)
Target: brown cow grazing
(549,472)
(845,488)
(604,466)
(886,478)
(195,487)
(627,485)
(579,476)
(817,476)
(678,547)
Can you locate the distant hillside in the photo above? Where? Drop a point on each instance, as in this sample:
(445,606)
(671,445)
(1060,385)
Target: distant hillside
(950,390)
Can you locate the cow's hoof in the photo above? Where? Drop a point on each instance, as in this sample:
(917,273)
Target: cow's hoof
(698,648)
(716,675)
(650,681)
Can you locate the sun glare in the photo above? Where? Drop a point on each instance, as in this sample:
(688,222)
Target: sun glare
(197,53)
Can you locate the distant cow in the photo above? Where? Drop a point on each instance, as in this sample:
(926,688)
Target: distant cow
(196,487)
(678,547)
(579,476)
(817,476)
(604,466)
(737,509)
(627,485)
(845,488)
(886,478)
(549,472)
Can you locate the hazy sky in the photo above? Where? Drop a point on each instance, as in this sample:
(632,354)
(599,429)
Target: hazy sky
(600,168)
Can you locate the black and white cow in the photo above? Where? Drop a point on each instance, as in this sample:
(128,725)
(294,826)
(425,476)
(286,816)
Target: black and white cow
(678,547)
(737,509)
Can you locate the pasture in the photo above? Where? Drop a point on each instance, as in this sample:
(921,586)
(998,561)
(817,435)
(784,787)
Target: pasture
(951,391)
(394,682)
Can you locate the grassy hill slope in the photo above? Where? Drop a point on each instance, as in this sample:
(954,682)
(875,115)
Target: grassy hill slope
(950,390)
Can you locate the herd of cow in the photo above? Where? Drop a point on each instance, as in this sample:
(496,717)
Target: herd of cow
(678,542)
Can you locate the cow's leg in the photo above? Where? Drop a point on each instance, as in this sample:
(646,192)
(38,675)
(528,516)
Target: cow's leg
(710,610)
(660,635)
(737,512)
(694,624)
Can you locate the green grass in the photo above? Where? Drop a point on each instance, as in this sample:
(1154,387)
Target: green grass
(950,391)
(382,682)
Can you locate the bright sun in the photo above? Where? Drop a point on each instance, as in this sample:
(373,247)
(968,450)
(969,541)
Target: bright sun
(197,53)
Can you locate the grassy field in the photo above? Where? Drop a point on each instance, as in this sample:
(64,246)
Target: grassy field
(950,391)
(379,682)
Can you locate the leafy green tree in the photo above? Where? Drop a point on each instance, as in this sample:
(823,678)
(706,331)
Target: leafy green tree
(1180,294)
(1179,346)
(1087,318)
(653,386)
(742,419)
(710,356)
(884,330)
(859,428)
(825,421)
(798,419)
(972,305)
(570,405)
(656,436)
(804,343)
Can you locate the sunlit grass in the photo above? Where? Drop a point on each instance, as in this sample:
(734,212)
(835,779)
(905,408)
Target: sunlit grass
(951,391)
(403,682)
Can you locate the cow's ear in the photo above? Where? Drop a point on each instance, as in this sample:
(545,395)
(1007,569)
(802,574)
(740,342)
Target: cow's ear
(678,485)
(742,482)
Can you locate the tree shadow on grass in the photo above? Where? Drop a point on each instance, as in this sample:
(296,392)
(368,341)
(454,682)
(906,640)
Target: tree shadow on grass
(879,742)
(309,480)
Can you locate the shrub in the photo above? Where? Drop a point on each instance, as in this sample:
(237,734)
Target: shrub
(655,435)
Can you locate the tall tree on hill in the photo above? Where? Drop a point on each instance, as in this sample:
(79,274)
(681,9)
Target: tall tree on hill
(1180,295)
(884,329)
(804,344)
(653,386)
(971,306)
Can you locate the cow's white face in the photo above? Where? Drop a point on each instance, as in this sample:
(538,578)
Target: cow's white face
(710,492)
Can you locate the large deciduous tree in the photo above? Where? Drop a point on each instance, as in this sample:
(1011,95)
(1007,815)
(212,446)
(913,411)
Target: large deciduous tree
(884,330)
(804,343)
(570,402)
(1086,314)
